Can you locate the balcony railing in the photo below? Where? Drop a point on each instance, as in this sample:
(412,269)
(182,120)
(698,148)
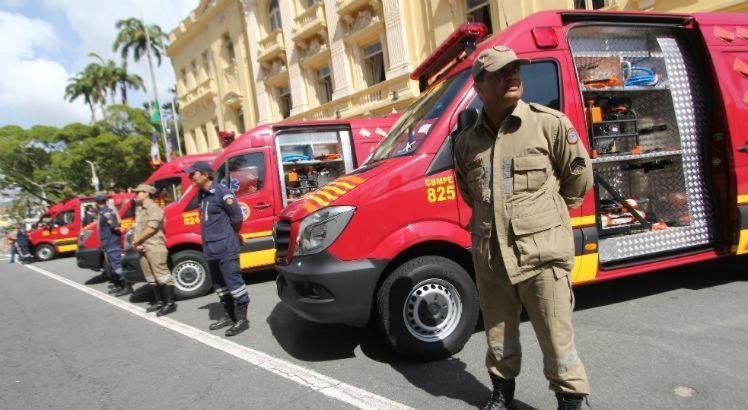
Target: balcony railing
(271,46)
(346,7)
(197,93)
(368,100)
(310,22)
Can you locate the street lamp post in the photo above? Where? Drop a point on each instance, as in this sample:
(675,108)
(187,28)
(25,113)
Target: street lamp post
(94,178)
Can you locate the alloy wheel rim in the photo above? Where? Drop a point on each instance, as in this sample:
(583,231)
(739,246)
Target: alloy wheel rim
(189,276)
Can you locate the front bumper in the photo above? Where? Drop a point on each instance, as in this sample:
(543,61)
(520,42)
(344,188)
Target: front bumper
(88,258)
(324,289)
(131,266)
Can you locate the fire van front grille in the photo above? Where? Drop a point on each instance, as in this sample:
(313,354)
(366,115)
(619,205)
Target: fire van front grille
(282,237)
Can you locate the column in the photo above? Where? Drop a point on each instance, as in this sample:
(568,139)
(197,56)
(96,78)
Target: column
(397,43)
(296,80)
(254,34)
(341,73)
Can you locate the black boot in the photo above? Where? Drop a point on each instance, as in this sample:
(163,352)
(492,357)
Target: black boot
(159,299)
(228,316)
(126,288)
(117,287)
(502,396)
(241,323)
(568,401)
(170,306)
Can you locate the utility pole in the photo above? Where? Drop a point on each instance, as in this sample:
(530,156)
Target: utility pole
(155,90)
(174,119)
(94,178)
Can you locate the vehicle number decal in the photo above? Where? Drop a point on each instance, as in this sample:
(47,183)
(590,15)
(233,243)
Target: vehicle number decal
(191,218)
(440,189)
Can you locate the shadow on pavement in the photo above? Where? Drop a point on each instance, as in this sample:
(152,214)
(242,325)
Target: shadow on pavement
(95,280)
(142,294)
(215,310)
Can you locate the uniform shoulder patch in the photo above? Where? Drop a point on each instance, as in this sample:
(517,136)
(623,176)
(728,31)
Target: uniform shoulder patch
(229,199)
(572,137)
(577,166)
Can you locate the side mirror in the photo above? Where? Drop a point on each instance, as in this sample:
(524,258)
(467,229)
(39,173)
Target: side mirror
(467,118)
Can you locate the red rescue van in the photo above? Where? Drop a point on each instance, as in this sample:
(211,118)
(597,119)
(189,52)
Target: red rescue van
(661,102)
(170,183)
(57,230)
(266,168)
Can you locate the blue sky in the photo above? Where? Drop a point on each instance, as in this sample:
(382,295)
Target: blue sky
(45,42)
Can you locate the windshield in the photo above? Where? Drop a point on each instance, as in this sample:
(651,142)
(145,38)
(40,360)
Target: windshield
(43,220)
(416,124)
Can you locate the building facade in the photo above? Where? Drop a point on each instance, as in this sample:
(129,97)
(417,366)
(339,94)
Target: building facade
(317,59)
(214,76)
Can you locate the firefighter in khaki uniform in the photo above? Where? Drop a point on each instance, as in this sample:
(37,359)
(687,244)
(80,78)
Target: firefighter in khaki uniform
(150,241)
(520,167)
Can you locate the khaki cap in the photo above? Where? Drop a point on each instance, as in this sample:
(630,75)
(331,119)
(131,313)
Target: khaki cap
(495,58)
(145,188)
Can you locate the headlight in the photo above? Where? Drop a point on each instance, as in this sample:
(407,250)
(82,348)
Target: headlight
(128,239)
(320,229)
(83,237)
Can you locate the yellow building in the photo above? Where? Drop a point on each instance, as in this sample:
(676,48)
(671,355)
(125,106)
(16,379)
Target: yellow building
(316,59)
(214,75)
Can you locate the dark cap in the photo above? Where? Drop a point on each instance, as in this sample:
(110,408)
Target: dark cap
(199,166)
(145,188)
(494,59)
(100,199)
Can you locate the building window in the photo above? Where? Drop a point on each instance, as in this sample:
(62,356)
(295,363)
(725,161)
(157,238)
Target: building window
(480,12)
(284,101)
(310,3)
(275,16)
(592,4)
(216,128)
(206,64)
(195,74)
(183,74)
(240,121)
(373,64)
(229,46)
(324,85)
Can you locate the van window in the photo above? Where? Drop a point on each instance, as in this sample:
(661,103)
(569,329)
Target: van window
(416,124)
(168,190)
(64,218)
(541,85)
(246,172)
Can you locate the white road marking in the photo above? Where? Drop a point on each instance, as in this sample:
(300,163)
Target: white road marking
(318,382)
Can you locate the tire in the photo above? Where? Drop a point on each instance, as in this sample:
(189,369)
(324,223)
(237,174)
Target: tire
(191,275)
(427,334)
(44,252)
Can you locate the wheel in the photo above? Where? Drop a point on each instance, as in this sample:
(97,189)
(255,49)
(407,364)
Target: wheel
(427,308)
(191,275)
(44,252)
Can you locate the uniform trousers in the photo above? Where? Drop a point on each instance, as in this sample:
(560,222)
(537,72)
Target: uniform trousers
(228,281)
(114,256)
(548,301)
(154,266)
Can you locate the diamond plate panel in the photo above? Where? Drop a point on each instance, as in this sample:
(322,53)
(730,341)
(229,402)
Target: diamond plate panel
(683,110)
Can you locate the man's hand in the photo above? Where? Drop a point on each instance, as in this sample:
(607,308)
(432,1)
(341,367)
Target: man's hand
(139,248)
(241,239)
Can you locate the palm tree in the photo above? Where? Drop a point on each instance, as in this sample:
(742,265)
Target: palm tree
(82,86)
(137,37)
(118,76)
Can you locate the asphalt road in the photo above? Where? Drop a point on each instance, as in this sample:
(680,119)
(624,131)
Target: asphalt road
(672,339)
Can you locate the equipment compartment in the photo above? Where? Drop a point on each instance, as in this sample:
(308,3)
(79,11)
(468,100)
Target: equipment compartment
(644,128)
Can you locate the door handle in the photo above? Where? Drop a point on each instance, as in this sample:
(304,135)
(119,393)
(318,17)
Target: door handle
(261,205)
(743,148)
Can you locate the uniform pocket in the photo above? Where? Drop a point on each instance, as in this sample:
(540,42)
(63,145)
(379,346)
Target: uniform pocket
(481,239)
(476,181)
(540,239)
(529,173)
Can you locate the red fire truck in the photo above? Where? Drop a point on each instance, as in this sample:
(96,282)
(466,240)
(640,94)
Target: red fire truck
(170,183)
(57,230)
(266,168)
(661,102)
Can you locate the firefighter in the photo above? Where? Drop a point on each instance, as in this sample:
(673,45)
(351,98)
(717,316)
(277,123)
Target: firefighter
(150,241)
(220,220)
(11,238)
(111,244)
(520,167)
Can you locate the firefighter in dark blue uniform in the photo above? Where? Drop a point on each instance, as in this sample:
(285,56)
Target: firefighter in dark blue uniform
(111,244)
(221,220)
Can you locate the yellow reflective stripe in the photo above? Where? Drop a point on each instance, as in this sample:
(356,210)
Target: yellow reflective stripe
(583,220)
(343,185)
(71,239)
(310,207)
(352,179)
(67,248)
(335,189)
(327,195)
(256,234)
(742,199)
(256,259)
(743,243)
(318,200)
(585,268)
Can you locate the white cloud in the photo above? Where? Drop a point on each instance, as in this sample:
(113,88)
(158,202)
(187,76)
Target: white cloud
(32,88)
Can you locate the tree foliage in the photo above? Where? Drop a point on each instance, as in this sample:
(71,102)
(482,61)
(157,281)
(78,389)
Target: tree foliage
(50,163)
